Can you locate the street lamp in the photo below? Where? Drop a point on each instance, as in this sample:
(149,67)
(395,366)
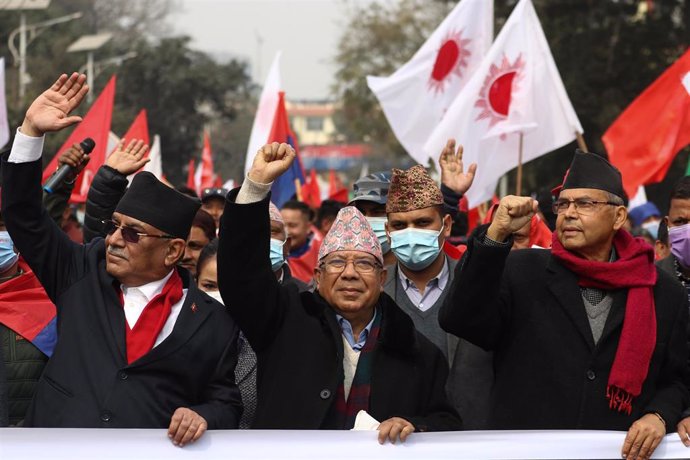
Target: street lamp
(89,43)
(32,30)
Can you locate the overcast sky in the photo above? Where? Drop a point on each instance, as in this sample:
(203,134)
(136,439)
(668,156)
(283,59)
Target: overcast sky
(306,31)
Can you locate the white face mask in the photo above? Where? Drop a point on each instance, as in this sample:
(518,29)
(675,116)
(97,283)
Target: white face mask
(216,296)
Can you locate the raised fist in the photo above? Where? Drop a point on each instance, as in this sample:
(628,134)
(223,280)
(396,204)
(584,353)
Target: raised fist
(270,162)
(512,214)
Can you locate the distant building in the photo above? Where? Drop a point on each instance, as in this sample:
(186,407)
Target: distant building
(312,123)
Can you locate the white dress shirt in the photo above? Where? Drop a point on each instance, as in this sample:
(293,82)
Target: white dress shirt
(136,299)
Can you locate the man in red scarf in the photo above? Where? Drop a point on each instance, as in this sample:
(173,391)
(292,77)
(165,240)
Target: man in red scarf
(588,335)
(139,346)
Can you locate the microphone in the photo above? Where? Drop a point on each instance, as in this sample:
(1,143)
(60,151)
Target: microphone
(65,170)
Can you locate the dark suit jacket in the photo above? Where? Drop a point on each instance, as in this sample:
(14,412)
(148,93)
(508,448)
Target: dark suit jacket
(527,308)
(299,345)
(87,382)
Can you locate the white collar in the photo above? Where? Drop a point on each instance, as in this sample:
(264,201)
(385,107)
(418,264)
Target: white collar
(149,290)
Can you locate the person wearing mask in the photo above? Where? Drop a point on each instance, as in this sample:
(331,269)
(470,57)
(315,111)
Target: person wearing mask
(587,335)
(139,346)
(363,352)
(677,264)
(370,197)
(646,216)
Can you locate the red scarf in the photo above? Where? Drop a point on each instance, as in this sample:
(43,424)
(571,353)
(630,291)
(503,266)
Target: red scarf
(140,340)
(634,270)
(25,307)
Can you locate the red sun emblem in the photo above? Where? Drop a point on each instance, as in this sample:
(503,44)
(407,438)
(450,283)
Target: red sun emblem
(497,91)
(451,59)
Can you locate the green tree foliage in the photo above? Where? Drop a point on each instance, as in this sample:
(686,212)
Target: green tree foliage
(183,90)
(607,52)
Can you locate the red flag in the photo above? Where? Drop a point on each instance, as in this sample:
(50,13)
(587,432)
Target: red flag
(190,175)
(96,125)
(336,190)
(311,192)
(139,129)
(645,138)
(207,176)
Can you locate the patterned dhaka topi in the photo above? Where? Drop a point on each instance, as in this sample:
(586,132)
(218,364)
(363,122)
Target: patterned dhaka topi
(274,213)
(351,232)
(411,190)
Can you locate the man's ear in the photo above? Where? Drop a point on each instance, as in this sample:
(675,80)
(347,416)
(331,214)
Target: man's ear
(286,247)
(621,217)
(175,252)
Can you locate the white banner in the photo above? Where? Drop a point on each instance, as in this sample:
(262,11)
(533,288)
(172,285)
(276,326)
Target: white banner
(61,443)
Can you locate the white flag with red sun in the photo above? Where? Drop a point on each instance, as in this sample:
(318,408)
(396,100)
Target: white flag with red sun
(415,98)
(517,89)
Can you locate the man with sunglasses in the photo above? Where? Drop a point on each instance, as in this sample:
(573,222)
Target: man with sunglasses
(139,346)
(324,356)
(587,335)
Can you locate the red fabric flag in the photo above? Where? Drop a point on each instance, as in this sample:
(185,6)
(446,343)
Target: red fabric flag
(336,190)
(207,175)
(645,138)
(139,129)
(311,192)
(190,175)
(96,125)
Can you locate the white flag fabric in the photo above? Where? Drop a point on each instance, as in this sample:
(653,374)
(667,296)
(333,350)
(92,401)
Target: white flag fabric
(415,98)
(517,89)
(155,166)
(266,110)
(4,123)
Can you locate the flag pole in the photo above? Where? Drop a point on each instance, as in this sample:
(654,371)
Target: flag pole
(518,190)
(298,190)
(581,142)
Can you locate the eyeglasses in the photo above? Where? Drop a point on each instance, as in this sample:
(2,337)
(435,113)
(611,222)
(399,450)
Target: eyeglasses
(129,234)
(362,266)
(583,207)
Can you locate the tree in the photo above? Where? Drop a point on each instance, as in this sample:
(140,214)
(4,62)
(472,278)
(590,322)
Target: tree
(182,90)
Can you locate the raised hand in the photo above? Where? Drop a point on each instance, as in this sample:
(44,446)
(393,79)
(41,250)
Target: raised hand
(270,162)
(74,157)
(512,214)
(452,169)
(130,159)
(50,111)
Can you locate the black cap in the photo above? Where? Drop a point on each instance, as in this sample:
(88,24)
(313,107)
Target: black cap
(151,201)
(589,170)
(213,192)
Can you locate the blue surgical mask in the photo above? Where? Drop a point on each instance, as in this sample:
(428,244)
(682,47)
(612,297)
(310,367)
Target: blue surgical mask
(415,248)
(276,253)
(7,255)
(378,225)
(653,228)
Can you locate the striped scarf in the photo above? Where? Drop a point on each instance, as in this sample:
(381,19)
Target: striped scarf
(358,399)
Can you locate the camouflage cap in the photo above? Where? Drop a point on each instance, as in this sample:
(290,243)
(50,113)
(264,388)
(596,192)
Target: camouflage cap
(373,187)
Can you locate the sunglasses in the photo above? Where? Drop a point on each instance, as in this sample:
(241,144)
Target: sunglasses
(129,234)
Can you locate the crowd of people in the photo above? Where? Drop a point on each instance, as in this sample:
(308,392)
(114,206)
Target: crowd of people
(222,311)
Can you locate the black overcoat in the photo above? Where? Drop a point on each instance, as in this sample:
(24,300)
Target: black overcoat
(299,346)
(87,382)
(527,307)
